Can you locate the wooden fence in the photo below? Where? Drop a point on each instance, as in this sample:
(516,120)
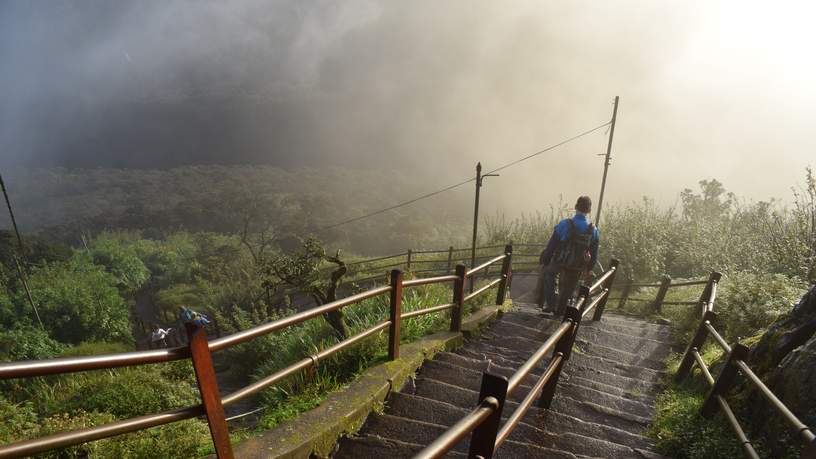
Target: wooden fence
(200,350)
(736,362)
(663,287)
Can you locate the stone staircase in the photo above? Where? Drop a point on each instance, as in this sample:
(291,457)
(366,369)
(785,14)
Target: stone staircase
(604,400)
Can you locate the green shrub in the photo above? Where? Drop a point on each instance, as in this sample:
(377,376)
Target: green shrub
(748,302)
(28,344)
(79,301)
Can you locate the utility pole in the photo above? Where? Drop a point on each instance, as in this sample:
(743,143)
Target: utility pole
(607,162)
(479,178)
(20,268)
(11,214)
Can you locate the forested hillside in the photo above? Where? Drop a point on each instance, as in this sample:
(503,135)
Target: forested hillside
(120,249)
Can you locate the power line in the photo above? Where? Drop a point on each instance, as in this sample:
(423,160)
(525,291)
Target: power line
(448,188)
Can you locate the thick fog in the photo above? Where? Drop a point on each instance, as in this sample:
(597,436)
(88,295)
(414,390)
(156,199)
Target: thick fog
(426,88)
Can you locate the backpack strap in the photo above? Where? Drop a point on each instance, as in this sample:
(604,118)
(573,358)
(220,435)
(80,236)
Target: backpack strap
(571,229)
(591,229)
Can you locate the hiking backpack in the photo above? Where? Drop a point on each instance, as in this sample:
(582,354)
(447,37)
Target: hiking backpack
(574,252)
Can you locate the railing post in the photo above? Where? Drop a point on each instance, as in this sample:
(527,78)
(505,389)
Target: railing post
(483,439)
(506,272)
(408,261)
(713,278)
(564,348)
(599,309)
(661,294)
(458,298)
(396,314)
(450,259)
(627,287)
(696,343)
(725,380)
(208,387)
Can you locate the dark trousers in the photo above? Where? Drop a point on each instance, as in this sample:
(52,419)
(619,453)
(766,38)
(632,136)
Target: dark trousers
(567,283)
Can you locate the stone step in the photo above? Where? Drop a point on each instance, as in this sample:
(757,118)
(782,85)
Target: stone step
(476,367)
(580,356)
(632,385)
(545,324)
(365,447)
(555,421)
(637,395)
(445,414)
(533,314)
(643,346)
(590,412)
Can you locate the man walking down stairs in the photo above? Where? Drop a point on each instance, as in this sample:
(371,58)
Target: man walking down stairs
(603,403)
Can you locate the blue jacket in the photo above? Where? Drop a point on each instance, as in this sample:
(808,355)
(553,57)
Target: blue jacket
(561,233)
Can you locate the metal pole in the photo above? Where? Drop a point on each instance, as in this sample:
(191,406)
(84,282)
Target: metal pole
(475,220)
(608,161)
(11,214)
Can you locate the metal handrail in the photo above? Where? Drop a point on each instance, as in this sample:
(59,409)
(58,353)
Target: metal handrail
(736,361)
(562,340)
(486,264)
(422,312)
(483,289)
(428,280)
(539,354)
(302,364)
(595,302)
(802,430)
(260,330)
(719,339)
(601,280)
(525,404)
(458,431)
(64,439)
(74,364)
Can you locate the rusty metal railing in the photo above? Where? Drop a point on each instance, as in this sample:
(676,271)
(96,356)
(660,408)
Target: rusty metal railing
(200,352)
(482,423)
(736,362)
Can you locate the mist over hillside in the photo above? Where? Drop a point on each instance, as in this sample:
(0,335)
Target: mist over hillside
(67,203)
(426,88)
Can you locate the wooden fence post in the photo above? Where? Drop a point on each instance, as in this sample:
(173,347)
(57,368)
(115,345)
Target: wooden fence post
(725,380)
(458,298)
(627,287)
(506,272)
(483,439)
(450,259)
(713,278)
(696,343)
(396,315)
(564,348)
(208,387)
(661,294)
(408,261)
(599,310)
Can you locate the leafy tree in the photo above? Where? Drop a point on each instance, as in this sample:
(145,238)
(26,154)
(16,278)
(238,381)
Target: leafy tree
(119,258)
(79,301)
(301,269)
(28,343)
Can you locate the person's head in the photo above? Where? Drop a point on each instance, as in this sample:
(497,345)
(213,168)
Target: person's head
(154,326)
(584,205)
